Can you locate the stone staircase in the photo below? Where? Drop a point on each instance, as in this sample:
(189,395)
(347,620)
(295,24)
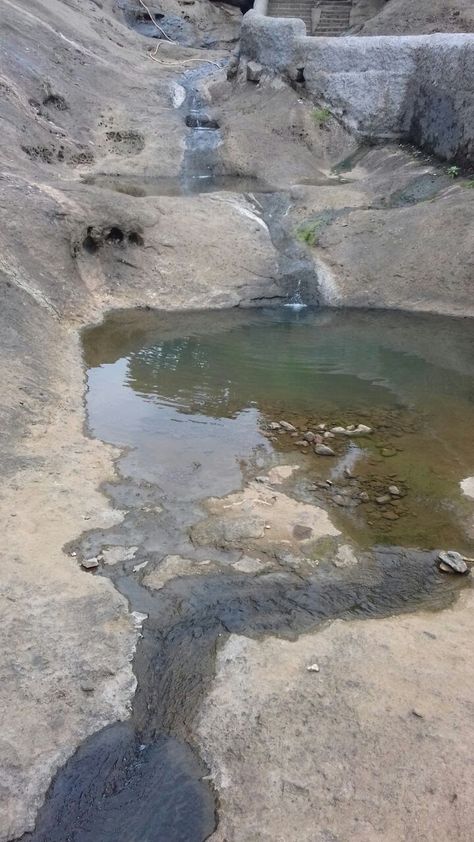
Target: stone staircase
(292,9)
(334,14)
(335,18)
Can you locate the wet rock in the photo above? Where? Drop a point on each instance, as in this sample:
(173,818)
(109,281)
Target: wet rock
(249,565)
(309,436)
(361,430)
(274,425)
(301,532)
(383,499)
(302,443)
(90,563)
(313,668)
(115,555)
(254,71)
(340,500)
(288,427)
(243,528)
(338,431)
(390,515)
(364,497)
(345,557)
(328,435)
(388,451)
(451,561)
(324,450)
(394,491)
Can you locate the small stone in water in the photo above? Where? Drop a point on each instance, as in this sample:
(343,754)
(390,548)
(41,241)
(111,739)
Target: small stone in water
(364,497)
(362,430)
(328,435)
(341,431)
(452,562)
(275,425)
(321,426)
(313,668)
(309,436)
(323,450)
(388,451)
(383,499)
(89,563)
(302,443)
(394,491)
(341,501)
(288,427)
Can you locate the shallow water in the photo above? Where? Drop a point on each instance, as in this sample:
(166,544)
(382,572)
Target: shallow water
(192,396)
(204,181)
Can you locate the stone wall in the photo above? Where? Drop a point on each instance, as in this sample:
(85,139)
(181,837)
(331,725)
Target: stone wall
(417,88)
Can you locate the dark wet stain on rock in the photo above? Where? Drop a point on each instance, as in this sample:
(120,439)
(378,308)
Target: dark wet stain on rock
(141,780)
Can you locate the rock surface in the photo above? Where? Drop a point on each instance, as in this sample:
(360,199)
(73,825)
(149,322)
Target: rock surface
(286,746)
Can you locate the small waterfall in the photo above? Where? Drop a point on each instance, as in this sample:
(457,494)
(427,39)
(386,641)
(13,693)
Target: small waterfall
(201,160)
(295,302)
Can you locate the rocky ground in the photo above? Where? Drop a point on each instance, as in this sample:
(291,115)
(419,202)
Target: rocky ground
(80,95)
(403,17)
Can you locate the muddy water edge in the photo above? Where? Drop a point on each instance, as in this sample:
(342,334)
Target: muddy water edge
(143,779)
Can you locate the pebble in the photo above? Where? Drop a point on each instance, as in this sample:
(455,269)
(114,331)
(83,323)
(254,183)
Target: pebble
(313,668)
(321,426)
(340,500)
(323,450)
(388,451)
(417,713)
(364,497)
(451,561)
(87,686)
(275,425)
(361,430)
(383,499)
(89,563)
(288,427)
(341,431)
(394,491)
(390,516)
(328,435)
(309,436)
(302,443)
(294,435)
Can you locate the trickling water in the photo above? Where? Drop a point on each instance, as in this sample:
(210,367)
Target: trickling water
(296,299)
(203,139)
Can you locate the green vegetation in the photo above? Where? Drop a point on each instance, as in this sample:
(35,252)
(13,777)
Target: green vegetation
(453,171)
(309,232)
(469,183)
(321,115)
